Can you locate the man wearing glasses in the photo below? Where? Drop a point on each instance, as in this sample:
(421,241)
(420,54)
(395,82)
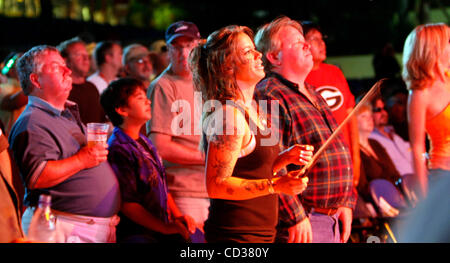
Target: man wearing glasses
(305,118)
(49,145)
(137,63)
(398,149)
(177,140)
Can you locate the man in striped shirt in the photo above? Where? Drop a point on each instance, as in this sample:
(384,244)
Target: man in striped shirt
(305,118)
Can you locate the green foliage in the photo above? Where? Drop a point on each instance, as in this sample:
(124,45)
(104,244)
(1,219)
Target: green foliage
(165,14)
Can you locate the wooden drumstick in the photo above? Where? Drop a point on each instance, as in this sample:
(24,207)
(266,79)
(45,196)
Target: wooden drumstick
(369,96)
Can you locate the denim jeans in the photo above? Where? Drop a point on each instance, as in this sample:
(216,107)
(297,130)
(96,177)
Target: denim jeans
(325,229)
(437,174)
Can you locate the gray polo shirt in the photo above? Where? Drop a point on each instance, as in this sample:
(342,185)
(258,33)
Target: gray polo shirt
(43,133)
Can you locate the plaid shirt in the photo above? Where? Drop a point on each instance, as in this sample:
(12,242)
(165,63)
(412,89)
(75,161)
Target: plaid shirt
(301,122)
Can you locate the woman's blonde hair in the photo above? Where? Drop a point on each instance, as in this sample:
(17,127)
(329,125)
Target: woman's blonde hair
(421,54)
(367,106)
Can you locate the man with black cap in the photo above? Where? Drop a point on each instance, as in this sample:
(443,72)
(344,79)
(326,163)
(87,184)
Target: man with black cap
(174,124)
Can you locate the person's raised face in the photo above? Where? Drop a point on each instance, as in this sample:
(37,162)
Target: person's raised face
(179,50)
(365,121)
(52,78)
(137,109)
(248,67)
(115,56)
(294,53)
(141,68)
(78,59)
(317,45)
(380,115)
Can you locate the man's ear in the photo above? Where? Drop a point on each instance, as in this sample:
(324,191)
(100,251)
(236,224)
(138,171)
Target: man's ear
(34,78)
(274,57)
(126,68)
(108,57)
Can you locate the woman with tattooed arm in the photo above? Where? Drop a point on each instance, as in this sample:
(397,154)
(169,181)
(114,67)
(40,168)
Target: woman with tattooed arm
(240,163)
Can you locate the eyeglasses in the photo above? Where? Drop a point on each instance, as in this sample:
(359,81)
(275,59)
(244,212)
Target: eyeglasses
(143,61)
(379,109)
(305,45)
(53,68)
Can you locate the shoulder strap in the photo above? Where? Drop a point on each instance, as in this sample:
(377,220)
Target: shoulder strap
(243,111)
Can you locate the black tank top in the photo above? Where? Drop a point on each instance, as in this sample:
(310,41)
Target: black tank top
(253,220)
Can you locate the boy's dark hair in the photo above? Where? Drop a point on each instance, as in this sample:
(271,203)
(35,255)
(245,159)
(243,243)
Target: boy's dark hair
(116,95)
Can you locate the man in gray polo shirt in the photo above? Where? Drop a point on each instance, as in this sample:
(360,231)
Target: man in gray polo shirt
(49,145)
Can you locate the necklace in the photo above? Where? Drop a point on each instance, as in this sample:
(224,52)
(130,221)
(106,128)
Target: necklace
(261,119)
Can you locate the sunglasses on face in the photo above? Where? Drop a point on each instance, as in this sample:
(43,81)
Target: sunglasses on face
(379,109)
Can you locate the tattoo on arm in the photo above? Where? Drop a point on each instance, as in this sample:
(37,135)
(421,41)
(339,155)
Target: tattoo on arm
(226,139)
(226,146)
(230,191)
(254,187)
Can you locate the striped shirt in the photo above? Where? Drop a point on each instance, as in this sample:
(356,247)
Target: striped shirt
(301,121)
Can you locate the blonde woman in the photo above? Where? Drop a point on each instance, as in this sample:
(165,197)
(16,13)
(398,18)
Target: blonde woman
(426,63)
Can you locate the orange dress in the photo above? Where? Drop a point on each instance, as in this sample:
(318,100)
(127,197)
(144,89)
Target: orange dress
(438,130)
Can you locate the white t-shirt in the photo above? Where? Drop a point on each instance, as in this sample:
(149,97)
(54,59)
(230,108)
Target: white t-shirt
(98,81)
(398,149)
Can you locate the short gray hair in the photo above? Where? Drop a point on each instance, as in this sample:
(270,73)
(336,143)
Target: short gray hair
(29,63)
(265,40)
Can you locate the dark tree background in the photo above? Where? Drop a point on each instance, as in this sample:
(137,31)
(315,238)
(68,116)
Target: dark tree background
(352,26)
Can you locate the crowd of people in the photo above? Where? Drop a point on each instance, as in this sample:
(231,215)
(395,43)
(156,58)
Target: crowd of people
(208,136)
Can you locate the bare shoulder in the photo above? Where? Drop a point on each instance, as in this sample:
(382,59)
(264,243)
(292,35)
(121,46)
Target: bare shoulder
(419,97)
(225,123)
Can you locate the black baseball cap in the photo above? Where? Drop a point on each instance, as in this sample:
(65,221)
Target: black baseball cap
(182,28)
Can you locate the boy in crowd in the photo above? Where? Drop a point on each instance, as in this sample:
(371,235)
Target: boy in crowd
(148,213)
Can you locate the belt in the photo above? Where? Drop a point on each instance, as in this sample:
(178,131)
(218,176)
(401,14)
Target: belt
(324,211)
(89,220)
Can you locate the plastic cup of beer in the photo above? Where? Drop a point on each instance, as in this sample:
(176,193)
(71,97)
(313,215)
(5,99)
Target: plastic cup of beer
(97,133)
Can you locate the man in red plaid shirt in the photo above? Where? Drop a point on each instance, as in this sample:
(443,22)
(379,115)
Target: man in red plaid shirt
(304,118)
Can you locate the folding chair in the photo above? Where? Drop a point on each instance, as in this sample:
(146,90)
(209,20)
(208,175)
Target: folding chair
(388,200)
